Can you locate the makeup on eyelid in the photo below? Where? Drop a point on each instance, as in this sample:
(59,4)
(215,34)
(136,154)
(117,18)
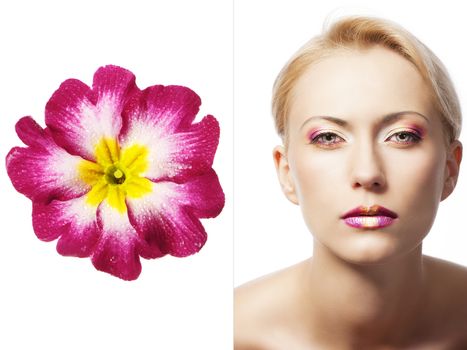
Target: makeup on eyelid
(315,132)
(418,130)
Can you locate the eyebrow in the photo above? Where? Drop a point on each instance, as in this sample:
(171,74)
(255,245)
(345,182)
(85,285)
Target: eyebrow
(387,119)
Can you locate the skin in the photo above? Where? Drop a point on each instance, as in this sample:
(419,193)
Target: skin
(362,288)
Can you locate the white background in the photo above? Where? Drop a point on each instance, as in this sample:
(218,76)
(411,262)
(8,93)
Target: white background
(52,302)
(269,230)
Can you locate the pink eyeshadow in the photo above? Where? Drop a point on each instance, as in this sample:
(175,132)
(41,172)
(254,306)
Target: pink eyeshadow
(313,133)
(421,132)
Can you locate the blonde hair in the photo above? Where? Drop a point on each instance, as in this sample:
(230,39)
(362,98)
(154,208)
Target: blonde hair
(358,32)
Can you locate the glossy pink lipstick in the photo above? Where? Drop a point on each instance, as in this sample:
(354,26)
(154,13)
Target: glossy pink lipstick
(369,217)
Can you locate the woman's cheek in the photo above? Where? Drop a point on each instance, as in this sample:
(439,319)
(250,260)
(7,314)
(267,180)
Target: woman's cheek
(429,180)
(316,180)
(420,173)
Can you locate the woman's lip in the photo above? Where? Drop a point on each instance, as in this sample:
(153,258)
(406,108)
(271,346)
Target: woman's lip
(374,210)
(374,221)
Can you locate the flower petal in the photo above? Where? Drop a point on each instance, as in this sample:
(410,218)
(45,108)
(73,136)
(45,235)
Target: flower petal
(203,195)
(119,248)
(74,220)
(175,156)
(172,108)
(80,117)
(168,216)
(31,133)
(43,171)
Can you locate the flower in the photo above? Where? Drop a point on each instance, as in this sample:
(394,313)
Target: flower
(119,172)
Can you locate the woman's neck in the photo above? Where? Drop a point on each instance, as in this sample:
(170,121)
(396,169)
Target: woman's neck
(363,304)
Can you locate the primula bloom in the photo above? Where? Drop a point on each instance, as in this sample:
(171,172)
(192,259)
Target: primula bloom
(119,172)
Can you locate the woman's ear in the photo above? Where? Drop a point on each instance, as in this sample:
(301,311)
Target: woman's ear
(283,173)
(453,163)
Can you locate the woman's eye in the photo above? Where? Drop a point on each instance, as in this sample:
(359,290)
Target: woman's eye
(326,139)
(405,137)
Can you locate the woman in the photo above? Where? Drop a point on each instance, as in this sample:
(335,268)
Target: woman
(370,123)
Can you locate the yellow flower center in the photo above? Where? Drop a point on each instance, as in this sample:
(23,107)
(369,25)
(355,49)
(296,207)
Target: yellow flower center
(118,174)
(115,174)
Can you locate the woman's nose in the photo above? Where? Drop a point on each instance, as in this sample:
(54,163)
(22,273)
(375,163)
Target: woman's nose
(367,168)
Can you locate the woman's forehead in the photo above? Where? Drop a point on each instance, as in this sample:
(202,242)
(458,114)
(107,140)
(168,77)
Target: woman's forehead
(374,81)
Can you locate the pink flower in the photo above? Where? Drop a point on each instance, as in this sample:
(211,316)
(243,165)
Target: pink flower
(119,172)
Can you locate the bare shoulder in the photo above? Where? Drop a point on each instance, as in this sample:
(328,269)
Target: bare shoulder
(449,285)
(453,277)
(259,309)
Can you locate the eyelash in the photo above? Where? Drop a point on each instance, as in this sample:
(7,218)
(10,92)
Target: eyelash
(415,138)
(315,139)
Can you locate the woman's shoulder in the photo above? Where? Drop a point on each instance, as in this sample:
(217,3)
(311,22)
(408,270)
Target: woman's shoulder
(449,276)
(448,284)
(259,309)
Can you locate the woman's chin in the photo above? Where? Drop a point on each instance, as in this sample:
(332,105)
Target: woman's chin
(367,250)
(368,246)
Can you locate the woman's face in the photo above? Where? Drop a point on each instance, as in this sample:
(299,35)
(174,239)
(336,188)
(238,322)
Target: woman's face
(382,145)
